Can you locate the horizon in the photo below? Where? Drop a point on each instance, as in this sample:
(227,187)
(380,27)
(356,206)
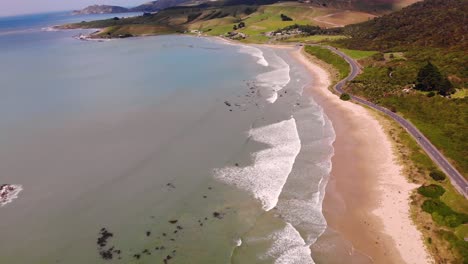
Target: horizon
(28,7)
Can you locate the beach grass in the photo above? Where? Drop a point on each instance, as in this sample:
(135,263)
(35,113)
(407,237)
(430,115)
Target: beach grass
(357,54)
(314,38)
(330,58)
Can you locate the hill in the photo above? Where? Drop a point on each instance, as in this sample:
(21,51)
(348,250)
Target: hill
(376,6)
(154,6)
(431,23)
(100,9)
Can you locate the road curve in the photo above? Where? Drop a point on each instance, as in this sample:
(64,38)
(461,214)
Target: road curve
(458,181)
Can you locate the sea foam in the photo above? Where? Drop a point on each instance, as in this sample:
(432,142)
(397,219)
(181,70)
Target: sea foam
(287,246)
(9,192)
(254,52)
(268,174)
(275,80)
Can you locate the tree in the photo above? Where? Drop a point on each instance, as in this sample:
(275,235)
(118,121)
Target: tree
(234,27)
(445,87)
(430,79)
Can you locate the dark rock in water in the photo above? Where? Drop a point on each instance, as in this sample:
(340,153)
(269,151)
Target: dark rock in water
(168,257)
(175,231)
(118,251)
(137,256)
(218,215)
(206,218)
(201,224)
(173,221)
(227,103)
(148,233)
(105,235)
(162,248)
(204,196)
(106,254)
(146,251)
(170,185)
(164,234)
(209,188)
(237,164)
(179,227)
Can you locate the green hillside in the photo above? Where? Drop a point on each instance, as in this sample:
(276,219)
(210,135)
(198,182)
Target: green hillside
(431,23)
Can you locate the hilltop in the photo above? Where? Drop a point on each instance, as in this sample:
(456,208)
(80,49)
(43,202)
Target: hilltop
(375,6)
(152,6)
(100,9)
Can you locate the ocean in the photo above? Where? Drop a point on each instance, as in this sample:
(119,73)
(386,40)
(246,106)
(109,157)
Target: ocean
(165,149)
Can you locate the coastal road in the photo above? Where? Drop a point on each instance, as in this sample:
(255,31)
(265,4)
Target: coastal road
(458,181)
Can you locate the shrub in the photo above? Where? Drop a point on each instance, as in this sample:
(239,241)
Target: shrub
(442,214)
(430,94)
(437,175)
(285,18)
(459,244)
(345,97)
(431,191)
(432,205)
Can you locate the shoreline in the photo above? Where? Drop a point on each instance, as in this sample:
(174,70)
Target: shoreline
(367,198)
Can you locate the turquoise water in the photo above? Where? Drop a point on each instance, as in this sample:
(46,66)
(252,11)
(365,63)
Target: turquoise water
(186,149)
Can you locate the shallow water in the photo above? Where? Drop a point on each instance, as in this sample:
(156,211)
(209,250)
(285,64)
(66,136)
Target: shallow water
(132,134)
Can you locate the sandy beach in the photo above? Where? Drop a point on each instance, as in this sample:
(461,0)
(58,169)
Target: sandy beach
(367,199)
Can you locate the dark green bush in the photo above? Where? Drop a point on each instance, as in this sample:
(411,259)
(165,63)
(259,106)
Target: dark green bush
(443,214)
(431,191)
(432,205)
(437,175)
(345,97)
(430,94)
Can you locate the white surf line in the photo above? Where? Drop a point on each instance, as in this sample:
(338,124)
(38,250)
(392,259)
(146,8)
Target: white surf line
(274,81)
(265,178)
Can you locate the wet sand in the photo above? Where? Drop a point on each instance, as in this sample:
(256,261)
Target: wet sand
(366,203)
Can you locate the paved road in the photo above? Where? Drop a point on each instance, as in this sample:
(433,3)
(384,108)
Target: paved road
(455,177)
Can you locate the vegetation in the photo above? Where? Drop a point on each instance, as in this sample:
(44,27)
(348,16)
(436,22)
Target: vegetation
(345,97)
(429,23)
(431,191)
(443,214)
(358,54)
(285,18)
(393,76)
(429,78)
(437,175)
(313,39)
(331,58)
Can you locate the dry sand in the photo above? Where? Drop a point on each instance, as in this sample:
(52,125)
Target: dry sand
(367,199)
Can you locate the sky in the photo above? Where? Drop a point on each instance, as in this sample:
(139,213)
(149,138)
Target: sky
(15,7)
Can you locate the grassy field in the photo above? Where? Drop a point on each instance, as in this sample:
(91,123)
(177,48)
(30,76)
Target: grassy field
(460,93)
(331,58)
(358,54)
(314,39)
